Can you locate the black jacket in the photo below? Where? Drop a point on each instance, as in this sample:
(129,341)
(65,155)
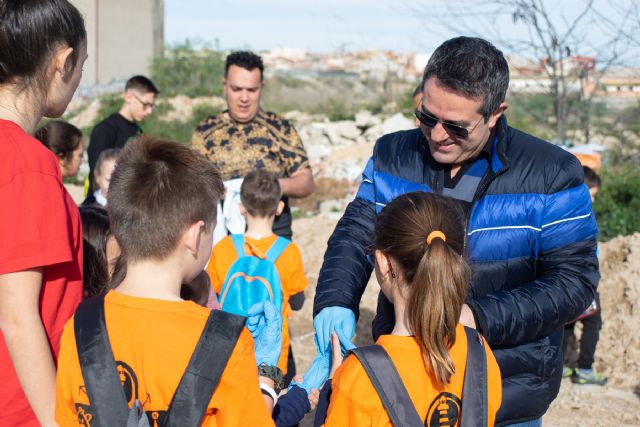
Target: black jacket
(531,240)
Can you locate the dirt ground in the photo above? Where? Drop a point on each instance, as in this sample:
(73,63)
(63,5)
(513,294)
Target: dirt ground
(618,353)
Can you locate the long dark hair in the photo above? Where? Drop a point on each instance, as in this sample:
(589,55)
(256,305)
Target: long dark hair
(95,235)
(60,137)
(30,30)
(436,273)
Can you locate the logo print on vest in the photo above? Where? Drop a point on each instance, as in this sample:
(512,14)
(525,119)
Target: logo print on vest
(444,411)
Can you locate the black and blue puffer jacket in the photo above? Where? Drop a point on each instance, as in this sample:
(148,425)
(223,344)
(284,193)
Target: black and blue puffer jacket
(531,240)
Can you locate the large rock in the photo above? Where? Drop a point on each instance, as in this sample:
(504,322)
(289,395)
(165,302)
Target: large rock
(397,122)
(366,120)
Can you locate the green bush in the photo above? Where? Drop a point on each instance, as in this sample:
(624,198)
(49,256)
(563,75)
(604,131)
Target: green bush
(183,70)
(175,130)
(617,205)
(532,113)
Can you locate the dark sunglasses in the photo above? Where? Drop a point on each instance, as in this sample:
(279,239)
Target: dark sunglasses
(454,130)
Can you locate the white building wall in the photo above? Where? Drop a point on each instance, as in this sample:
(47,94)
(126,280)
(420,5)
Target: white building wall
(123,36)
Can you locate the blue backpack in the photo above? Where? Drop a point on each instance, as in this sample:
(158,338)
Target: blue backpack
(252,279)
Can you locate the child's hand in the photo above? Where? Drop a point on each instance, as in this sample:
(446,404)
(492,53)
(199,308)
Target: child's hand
(314,398)
(336,354)
(314,395)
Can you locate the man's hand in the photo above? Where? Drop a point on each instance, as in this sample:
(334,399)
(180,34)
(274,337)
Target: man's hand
(265,324)
(338,319)
(466,317)
(299,184)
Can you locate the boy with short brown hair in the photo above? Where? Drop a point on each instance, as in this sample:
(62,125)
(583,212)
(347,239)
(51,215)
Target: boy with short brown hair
(261,198)
(162,201)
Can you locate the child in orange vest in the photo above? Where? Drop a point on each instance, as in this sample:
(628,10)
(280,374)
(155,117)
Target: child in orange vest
(420,266)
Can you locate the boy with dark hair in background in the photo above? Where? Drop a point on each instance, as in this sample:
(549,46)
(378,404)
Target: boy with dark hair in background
(116,130)
(591,320)
(261,197)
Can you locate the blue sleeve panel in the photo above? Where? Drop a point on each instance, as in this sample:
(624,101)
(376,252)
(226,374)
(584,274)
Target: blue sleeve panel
(558,231)
(529,224)
(348,260)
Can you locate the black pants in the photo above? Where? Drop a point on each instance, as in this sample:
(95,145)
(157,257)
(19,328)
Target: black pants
(590,334)
(291,367)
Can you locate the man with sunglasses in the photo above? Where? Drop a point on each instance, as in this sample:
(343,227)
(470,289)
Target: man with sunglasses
(119,128)
(531,234)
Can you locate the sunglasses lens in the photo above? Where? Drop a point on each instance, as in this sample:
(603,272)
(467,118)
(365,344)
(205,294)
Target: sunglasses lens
(431,122)
(426,120)
(456,130)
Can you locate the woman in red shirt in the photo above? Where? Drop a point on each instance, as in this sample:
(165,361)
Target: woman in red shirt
(42,50)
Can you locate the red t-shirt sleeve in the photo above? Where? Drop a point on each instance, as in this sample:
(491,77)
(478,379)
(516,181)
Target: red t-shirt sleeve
(34,224)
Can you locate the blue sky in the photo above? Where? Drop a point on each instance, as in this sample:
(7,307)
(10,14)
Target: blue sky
(323,25)
(329,25)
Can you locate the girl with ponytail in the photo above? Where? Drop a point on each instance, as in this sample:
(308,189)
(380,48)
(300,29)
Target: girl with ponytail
(421,268)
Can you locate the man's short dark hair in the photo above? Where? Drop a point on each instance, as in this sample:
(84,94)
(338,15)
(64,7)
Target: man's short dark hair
(471,67)
(142,84)
(158,189)
(591,178)
(260,193)
(244,59)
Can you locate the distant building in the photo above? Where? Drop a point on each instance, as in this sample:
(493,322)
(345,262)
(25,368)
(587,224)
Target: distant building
(123,36)
(621,82)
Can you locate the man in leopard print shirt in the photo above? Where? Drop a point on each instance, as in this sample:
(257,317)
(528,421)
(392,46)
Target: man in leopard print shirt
(244,137)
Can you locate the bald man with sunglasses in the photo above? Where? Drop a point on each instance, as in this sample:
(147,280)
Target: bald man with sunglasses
(531,233)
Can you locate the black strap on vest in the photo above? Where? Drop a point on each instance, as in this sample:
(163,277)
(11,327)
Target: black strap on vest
(388,385)
(475,410)
(396,400)
(202,375)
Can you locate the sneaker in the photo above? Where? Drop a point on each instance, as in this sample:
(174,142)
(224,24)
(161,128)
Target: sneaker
(567,372)
(588,376)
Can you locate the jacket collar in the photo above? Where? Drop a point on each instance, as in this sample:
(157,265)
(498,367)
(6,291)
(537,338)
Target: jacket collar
(499,159)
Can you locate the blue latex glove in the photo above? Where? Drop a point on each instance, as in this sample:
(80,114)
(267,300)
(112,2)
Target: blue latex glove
(317,374)
(339,319)
(265,324)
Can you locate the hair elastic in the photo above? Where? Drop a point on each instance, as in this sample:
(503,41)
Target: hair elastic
(435,235)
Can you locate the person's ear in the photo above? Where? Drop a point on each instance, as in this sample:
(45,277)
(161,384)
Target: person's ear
(493,119)
(383,263)
(63,62)
(243,210)
(128,96)
(63,164)
(280,208)
(191,237)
